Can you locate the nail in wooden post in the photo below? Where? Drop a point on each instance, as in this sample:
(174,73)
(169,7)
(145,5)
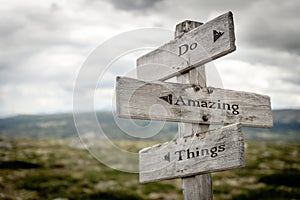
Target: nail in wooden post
(195,187)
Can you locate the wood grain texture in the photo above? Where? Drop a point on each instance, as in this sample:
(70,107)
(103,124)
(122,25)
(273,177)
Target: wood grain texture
(198,186)
(175,57)
(141,100)
(211,151)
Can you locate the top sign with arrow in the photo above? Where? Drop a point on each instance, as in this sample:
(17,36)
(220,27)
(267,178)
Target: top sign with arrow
(209,41)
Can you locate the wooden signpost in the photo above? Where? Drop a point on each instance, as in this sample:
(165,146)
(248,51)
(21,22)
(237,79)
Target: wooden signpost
(197,151)
(190,103)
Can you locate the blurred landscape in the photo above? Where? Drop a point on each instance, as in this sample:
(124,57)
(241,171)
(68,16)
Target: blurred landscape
(42,158)
(286,127)
(60,57)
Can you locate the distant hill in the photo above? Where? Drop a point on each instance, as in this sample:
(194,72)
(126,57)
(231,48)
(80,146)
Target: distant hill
(63,126)
(286,127)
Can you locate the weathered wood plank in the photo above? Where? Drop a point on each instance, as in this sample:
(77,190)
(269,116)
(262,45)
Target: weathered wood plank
(194,48)
(198,186)
(189,103)
(215,150)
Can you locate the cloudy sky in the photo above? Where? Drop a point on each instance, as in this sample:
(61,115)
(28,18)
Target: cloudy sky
(45,44)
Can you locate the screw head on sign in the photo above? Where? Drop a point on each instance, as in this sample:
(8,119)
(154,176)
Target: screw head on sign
(205,118)
(196,88)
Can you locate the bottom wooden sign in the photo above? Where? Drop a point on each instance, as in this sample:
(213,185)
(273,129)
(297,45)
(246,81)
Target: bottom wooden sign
(214,150)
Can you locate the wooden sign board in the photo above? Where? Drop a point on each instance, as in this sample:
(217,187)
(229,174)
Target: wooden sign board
(197,47)
(215,150)
(189,103)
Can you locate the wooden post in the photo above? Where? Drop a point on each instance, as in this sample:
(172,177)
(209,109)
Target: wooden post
(165,161)
(195,187)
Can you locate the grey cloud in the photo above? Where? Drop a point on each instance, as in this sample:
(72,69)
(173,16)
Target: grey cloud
(266,31)
(279,37)
(27,34)
(266,56)
(292,79)
(133,5)
(226,5)
(273,25)
(37,28)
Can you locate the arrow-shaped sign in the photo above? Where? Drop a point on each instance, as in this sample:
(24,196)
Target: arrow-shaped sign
(182,103)
(197,47)
(215,150)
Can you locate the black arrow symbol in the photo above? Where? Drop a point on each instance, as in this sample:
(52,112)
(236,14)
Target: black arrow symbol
(217,34)
(167,157)
(167,98)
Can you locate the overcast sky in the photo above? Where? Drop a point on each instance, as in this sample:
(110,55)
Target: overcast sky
(43,45)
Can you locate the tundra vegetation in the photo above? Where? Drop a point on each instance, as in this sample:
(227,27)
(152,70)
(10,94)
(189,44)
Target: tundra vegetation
(55,168)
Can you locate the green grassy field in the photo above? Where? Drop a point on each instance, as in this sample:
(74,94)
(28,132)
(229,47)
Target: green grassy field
(50,169)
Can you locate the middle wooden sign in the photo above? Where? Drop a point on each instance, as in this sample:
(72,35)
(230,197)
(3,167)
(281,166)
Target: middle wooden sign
(189,103)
